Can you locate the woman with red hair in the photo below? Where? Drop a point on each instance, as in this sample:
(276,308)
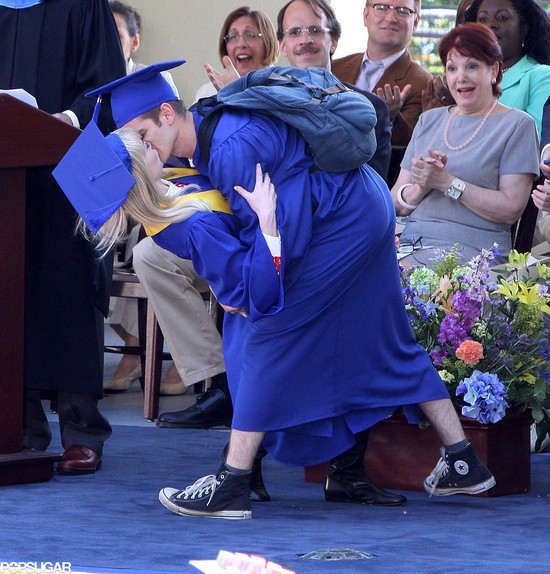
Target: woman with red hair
(468,170)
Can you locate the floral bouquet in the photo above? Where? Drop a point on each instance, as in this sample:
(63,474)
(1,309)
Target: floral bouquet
(487,334)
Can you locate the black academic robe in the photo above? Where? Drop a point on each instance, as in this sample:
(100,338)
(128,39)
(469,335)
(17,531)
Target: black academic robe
(58,51)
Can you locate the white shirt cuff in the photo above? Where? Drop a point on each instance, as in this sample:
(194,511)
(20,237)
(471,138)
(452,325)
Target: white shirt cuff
(273,244)
(73,117)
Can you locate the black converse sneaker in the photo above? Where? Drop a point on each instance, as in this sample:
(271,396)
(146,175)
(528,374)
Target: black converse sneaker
(226,495)
(459,473)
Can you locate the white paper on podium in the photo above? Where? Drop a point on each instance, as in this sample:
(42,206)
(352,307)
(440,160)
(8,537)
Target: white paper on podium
(22,95)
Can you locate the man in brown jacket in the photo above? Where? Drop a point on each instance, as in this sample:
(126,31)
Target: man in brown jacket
(386,68)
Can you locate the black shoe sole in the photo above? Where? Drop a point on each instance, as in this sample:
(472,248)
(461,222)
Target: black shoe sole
(372,503)
(167,425)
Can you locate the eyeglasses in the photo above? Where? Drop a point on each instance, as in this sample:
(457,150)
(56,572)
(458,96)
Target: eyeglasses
(314,31)
(247,37)
(382,10)
(408,247)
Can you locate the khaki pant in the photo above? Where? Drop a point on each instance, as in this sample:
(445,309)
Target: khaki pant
(174,289)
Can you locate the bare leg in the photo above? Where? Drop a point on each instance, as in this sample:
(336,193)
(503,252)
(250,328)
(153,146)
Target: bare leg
(243,446)
(172,376)
(442,416)
(128,363)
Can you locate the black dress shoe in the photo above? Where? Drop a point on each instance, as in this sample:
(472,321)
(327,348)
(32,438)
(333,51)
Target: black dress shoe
(79,459)
(361,491)
(213,408)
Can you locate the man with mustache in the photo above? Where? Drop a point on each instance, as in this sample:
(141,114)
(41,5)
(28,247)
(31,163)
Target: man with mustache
(303,38)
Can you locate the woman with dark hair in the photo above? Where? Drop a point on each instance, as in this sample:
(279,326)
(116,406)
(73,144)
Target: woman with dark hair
(247,42)
(468,170)
(522,29)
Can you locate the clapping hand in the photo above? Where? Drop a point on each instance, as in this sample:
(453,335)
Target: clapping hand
(225,77)
(429,172)
(436,94)
(541,194)
(394,98)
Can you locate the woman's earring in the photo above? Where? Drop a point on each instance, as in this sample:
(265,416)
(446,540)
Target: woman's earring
(493,81)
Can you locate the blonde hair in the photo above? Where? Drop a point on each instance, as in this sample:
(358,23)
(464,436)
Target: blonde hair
(145,203)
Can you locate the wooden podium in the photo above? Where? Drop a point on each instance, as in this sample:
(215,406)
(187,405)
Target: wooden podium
(28,138)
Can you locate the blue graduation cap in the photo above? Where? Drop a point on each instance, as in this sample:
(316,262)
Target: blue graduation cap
(139,92)
(95,175)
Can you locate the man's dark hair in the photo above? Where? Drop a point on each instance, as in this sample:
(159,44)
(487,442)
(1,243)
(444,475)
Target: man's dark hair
(320,7)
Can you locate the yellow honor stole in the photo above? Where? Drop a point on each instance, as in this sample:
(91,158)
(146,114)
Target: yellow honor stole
(212,197)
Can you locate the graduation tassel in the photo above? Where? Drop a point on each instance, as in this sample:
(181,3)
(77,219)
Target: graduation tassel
(95,115)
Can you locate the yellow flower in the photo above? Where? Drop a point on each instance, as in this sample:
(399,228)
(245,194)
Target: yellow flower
(531,296)
(508,289)
(517,260)
(528,378)
(543,270)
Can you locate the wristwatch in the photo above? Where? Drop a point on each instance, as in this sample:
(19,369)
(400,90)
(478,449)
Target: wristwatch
(455,189)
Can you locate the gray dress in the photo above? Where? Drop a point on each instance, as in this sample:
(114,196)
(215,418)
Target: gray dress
(507,144)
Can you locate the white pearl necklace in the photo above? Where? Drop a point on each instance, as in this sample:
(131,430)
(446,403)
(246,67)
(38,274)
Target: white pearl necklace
(473,136)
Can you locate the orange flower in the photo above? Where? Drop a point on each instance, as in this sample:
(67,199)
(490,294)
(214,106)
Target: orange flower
(471,352)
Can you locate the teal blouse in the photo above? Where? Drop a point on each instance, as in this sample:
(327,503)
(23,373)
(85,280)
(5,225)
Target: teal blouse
(526,86)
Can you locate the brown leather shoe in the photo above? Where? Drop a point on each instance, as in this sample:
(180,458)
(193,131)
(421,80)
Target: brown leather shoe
(78,459)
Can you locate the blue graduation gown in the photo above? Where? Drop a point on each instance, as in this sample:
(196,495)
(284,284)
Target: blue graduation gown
(340,355)
(240,276)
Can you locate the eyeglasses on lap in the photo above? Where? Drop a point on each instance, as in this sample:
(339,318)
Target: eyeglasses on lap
(382,10)
(407,247)
(247,37)
(313,31)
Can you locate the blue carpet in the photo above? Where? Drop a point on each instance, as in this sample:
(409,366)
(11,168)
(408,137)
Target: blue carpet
(113,521)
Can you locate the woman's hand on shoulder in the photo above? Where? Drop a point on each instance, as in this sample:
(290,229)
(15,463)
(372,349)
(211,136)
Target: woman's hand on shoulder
(262,200)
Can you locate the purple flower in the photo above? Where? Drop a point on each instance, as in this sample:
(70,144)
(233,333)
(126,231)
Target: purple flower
(452,331)
(437,356)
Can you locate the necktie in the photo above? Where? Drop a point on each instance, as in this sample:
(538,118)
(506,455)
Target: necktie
(371,72)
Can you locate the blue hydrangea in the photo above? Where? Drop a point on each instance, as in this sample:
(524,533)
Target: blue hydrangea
(485,395)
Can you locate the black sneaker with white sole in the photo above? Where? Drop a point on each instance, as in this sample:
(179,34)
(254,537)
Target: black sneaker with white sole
(225,495)
(459,473)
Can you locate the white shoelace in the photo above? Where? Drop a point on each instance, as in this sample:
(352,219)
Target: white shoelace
(441,469)
(200,488)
